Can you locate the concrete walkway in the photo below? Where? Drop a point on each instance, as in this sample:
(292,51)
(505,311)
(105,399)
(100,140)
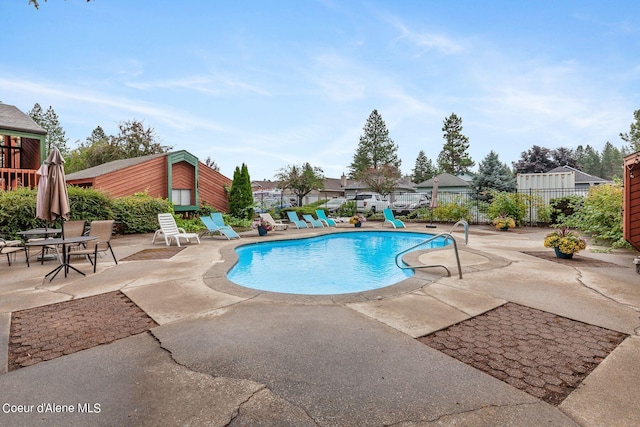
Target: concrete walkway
(226,355)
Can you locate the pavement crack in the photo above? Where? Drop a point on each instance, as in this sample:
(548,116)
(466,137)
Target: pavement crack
(602,294)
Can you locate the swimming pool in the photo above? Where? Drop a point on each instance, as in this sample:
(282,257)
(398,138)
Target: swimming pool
(335,263)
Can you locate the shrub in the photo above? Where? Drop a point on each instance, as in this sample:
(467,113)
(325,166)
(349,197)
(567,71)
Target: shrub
(18,212)
(88,204)
(139,213)
(452,211)
(563,207)
(508,204)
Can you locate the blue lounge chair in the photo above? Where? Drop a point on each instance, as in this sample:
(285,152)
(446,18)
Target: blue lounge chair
(314,222)
(389,218)
(323,217)
(293,217)
(216,223)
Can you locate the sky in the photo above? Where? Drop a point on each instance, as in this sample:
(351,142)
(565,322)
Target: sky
(285,82)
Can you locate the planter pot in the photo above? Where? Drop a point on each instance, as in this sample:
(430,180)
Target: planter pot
(262,231)
(506,228)
(358,224)
(562,255)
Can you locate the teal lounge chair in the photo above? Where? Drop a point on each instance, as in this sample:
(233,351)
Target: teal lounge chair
(218,221)
(314,222)
(293,217)
(323,217)
(389,218)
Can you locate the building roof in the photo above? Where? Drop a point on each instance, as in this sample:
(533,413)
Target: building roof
(111,167)
(13,119)
(580,177)
(445,180)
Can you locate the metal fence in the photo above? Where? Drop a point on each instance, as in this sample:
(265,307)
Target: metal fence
(475,207)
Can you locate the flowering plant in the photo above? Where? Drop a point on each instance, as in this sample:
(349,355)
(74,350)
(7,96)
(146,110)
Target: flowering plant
(567,241)
(357,218)
(504,221)
(259,222)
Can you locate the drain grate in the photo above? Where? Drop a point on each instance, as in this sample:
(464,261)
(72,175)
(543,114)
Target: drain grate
(540,353)
(44,333)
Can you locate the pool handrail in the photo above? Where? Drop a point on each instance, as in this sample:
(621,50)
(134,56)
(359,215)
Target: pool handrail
(447,236)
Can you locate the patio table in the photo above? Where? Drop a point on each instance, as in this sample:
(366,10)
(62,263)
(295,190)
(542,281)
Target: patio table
(40,232)
(64,242)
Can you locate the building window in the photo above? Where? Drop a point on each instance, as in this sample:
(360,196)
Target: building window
(181,197)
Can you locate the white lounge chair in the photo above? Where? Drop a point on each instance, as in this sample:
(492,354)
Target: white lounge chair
(276,225)
(170,230)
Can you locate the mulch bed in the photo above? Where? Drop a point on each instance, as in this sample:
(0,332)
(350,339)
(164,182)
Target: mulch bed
(540,353)
(576,261)
(151,254)
(44,333)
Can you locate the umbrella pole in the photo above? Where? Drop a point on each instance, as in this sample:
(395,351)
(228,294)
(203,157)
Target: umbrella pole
(431,224)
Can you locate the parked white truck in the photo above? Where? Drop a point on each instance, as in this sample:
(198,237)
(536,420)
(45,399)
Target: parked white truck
(373,202)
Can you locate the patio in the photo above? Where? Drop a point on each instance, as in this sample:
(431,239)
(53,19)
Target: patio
(226,355)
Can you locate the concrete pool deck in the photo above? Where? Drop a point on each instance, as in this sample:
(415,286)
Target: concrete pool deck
(226,355)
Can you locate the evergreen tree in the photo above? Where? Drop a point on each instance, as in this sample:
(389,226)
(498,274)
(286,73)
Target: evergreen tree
(612,160)
(589,160)
(633,137)
(300,179)
(454,157)
(493,174)
(136,141)
(535,160)
(376,161)
(240,194)
(424,168)
(49,121)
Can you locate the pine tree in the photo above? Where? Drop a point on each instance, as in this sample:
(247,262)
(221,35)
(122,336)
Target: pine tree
(454,157)
(564,156)
(424,168)
(493,174)
(612,160)
(633,137)
(376,161)
(589,160)
(49,122)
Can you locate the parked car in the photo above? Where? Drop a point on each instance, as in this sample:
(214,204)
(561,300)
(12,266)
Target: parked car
(373,202)
(333,205)
(408,202)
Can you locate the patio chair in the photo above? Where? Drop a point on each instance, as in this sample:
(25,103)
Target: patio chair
(10,247)
(311,220)
(212,227)
(225,229)
(389,218)
(322,216)
(276,225)
(103,231)
(170,230)
(293,217)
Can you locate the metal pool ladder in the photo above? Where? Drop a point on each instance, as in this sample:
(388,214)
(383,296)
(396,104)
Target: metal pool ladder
(447,236)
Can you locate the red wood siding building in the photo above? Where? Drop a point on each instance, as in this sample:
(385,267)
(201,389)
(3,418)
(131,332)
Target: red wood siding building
(631,200)
(177,176)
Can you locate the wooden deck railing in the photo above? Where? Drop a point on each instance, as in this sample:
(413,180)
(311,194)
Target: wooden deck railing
(10,179)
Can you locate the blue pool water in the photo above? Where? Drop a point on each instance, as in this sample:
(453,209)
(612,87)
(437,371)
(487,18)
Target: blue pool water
(336,263)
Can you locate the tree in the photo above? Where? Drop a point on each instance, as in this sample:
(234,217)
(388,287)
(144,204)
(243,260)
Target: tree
(633,137)
(589,160)
(300,179)
(376,161)
(454,157)
(424,168)
(240,194)
(536,160)
(612,160)
(563,156)
(212,164)
(36,3)
(132,141)
(493,174)
(49,122)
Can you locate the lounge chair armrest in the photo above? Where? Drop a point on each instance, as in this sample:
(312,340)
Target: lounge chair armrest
(182,230)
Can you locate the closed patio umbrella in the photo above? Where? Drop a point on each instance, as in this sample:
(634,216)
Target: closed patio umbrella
(56,200)
(42,189)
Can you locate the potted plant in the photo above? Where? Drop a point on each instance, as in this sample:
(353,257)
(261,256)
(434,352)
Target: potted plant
(262,226)
(504,222)
(357,220)
(565,241)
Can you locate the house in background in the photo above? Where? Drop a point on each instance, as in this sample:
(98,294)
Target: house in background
(22,148)
(446,183)
(178,176)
